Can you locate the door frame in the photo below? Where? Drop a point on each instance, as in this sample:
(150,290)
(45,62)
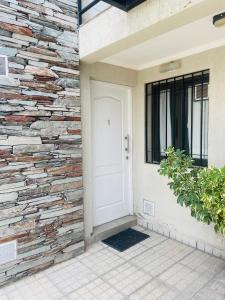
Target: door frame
(130,168)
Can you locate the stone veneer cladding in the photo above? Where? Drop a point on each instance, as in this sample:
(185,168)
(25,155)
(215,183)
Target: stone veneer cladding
(40,135)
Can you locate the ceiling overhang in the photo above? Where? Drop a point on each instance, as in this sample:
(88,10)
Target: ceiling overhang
(199,36)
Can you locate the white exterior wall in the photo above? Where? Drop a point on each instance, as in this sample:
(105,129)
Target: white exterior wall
(115,30)
(170,218)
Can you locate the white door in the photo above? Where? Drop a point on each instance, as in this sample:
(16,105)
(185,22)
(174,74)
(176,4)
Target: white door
(111,151)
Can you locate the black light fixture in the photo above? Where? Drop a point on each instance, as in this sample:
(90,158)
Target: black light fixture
(219,20)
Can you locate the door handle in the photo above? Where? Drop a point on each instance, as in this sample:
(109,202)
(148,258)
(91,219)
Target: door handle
(127,139)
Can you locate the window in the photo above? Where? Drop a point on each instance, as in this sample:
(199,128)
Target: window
(177,115)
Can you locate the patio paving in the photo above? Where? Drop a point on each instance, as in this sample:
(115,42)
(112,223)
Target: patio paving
(157,268)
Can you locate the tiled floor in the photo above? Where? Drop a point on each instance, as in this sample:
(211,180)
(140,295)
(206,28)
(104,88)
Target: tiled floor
(157,268)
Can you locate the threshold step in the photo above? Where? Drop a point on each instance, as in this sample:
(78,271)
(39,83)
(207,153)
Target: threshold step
(104,231)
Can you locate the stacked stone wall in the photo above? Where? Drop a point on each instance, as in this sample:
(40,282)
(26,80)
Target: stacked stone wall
(41,203)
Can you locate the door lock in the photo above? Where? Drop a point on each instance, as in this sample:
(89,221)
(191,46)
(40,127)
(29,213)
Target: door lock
(127,148)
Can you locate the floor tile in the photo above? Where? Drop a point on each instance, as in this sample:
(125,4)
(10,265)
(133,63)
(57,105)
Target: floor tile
(214,290)
(127,278)
(157,268)
(96,290)
(102,261)
(155,289)
(185,280)
(37,287)
(207,265)
(93,249)
(152,262)
(154,240)
(71,277)
(173,249)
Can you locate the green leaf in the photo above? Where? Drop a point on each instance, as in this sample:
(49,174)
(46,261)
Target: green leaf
(201,189)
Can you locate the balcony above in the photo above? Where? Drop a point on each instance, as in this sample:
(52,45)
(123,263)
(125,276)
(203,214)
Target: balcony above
(125,5)
(151,34)
(98,5)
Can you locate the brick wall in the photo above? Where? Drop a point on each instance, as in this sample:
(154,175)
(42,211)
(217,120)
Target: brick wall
(40,135)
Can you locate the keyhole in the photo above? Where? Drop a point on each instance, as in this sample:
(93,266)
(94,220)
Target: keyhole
(109,122)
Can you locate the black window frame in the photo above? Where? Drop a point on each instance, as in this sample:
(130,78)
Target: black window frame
(186,80)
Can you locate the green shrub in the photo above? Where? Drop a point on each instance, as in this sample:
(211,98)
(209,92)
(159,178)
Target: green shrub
(201,189)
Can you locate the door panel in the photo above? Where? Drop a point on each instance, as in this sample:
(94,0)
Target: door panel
(110,160)
(108,132)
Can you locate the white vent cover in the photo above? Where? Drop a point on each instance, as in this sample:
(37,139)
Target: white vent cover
(149,208)
(3,65)
(7,252)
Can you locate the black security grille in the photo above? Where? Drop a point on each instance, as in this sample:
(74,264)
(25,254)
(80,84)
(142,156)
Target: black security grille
(177,115)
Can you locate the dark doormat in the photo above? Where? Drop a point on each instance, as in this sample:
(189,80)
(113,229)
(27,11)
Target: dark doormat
(125,239)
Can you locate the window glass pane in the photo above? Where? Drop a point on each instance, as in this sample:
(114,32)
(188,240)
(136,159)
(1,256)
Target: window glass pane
(205,128)
(196,135)
(178,116)
(198,126)
(149,129)
(201,91)
(165,121)
(190,118)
